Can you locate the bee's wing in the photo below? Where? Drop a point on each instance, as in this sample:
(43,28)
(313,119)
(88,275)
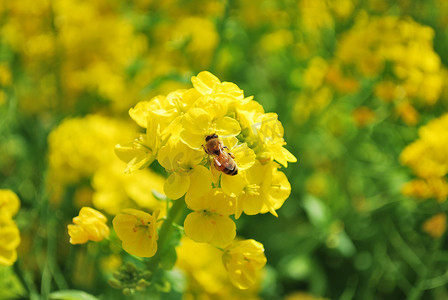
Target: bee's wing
(216,160)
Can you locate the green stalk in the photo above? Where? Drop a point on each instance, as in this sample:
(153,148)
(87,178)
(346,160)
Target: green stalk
(165,231)
(419,287)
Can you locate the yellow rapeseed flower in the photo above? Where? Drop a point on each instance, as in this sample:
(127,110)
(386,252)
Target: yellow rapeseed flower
(9,203)
(210,222)
(179,135)
(435,226)
(243,260)
(138,231)
(9,241)
(9,232)
(265,190)
(90,225)
(207,279)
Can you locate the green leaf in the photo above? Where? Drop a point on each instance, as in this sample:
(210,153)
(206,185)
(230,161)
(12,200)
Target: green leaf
(72,295)
(318,213)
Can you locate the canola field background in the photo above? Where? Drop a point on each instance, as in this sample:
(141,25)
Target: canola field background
(360,87)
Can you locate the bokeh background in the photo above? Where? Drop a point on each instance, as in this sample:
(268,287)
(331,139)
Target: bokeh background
(360,87)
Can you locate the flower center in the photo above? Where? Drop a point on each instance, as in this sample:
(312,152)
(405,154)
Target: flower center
(252,189)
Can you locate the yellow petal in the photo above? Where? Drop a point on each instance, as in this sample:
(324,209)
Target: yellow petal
(200,182)
(256,173)
(139,113)
(226,126)
(196,121)
(136,156)
(202,227)
(229,141)
(288,155)
(9,236)
(77,234)
(244,156)
(219,202)
(198,227)
(7,257)
(176,186)
(242,279)
(194,141)
(232,89)
(252,204)
(138,232)
(280,188)
(141,244)
(232,185)
(205,82)
(9,202)
(224,233)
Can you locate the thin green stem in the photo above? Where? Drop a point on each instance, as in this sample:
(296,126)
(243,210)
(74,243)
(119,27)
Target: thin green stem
(165,231)
(220,29)
(26,281)
(421,283)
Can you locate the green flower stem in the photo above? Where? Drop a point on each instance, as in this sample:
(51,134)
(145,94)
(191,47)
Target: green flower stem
(419,287)
(165,231)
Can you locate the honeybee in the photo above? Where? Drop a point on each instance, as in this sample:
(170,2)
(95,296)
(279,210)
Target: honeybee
(223,160)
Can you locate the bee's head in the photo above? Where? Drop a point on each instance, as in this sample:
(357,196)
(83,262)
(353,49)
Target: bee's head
(211,136)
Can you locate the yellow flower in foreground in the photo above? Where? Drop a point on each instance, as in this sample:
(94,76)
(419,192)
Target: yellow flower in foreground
(242,261)
(186,173)
(138,231)
(141,152)
(9,241)
(199,123)
(210,223)
(9,203)
(207,279)
(435,226)
(266,190)
(90,225)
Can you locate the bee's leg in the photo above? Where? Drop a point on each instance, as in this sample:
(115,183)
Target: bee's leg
(231,155)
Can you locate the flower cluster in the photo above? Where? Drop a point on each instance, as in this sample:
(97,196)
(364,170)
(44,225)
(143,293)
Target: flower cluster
(428,158)
(221,151)
(54,42)
(402,51)
(9,232)
(90,225)
(88,156)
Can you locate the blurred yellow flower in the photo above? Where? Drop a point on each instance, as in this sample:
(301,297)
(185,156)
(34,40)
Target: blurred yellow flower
(9,241)
(408,68)
(427,188)
(114,190)
(427,156)
(90,225)
(363,116)
(207,279)
(243,260)
(9,203)
(435,226)
(90,146)
(138,231)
